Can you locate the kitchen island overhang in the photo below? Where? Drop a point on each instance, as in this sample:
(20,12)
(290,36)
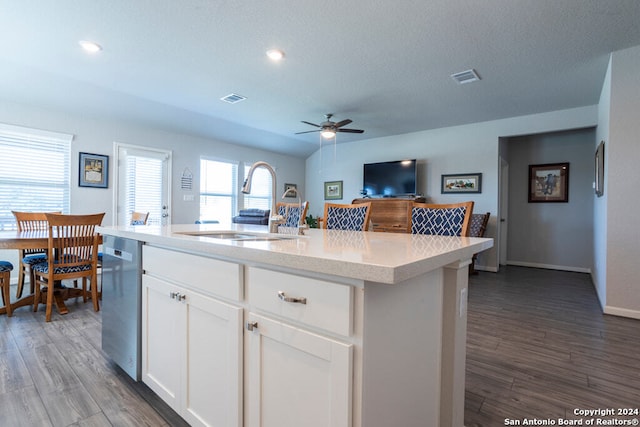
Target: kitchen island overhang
(388,258)
(406,310)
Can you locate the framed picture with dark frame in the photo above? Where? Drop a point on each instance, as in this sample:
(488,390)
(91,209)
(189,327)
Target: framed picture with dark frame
(333,190)
(93,170)
(461,183)
(287,187)
(600,169)
(549,183)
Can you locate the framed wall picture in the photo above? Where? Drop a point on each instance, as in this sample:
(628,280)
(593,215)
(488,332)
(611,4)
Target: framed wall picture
(600,169)
(287,187)
(333,190)
(549,183)
(93,170)
(461,183)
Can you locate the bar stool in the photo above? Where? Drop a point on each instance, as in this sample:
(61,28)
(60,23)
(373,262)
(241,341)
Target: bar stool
(5,281)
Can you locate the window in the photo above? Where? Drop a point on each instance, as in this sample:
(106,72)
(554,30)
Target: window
(144,188)
(218,190)
(260,197)
(34,172)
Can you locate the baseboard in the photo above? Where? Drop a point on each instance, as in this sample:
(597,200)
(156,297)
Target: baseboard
(549,266)
(485,268)
(622,312)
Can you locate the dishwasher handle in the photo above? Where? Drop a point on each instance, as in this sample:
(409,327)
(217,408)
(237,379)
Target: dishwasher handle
(118,253)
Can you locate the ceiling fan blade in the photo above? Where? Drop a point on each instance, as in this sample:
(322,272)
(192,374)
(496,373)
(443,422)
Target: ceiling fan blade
(312,124)
(350,130)
(343,123)
(309,131)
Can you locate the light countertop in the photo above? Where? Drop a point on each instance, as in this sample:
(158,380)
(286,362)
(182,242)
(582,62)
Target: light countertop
(372,256)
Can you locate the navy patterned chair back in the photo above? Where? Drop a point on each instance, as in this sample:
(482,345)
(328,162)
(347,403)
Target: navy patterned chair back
(293,213)
(441,220)
(478,224)
(347,217)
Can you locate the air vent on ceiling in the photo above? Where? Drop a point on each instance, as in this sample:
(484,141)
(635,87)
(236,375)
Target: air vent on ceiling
(466,76)
(232,98)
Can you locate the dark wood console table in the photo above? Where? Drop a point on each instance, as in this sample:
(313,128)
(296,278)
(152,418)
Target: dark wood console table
(390,214)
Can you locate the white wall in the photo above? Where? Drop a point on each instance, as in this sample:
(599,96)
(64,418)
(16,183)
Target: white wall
(552,235)
(599,268)
(621,169)
(460,149)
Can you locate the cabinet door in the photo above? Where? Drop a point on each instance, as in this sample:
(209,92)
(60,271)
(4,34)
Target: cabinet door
(296,378)
(162,339)
(213,376)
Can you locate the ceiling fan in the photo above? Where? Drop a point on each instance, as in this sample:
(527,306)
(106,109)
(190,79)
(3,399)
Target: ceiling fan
(328,129)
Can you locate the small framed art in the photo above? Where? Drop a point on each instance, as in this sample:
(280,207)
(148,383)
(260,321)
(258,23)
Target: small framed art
(333,190)
(461,183)
(549,183)
(93,170)
(288,187)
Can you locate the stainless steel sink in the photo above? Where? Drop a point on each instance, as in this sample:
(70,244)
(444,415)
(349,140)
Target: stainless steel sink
(237,236)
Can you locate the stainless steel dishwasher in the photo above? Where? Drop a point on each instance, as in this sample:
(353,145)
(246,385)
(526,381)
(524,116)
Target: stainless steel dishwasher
(121,303)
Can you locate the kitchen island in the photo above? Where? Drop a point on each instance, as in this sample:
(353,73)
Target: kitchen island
(333,328)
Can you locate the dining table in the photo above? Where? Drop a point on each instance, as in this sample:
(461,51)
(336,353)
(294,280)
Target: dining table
(34,239)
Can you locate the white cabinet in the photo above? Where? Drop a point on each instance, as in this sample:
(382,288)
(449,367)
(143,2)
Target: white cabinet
(192,350)
(296,377)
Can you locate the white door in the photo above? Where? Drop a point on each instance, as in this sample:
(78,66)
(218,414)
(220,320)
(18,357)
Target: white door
(143,183)
(213,375)
(295,377)
(163,330)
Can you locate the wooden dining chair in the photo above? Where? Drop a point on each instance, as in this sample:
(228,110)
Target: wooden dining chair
(72,255)
(29,221)
(5,282)
(346,217)
(293,213)
(477,227)
(139,218)
(440,219)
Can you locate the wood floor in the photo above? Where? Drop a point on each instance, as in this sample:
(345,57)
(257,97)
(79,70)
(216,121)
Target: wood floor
(538,347)
(55,374)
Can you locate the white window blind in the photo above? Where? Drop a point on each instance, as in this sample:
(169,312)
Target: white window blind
(218,190)
(144,188)
(260,197)
(34,172)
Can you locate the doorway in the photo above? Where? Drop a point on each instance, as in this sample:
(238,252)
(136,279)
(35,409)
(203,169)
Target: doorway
(142,183)
(503,212)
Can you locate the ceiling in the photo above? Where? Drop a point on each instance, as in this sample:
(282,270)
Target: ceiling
(384,64)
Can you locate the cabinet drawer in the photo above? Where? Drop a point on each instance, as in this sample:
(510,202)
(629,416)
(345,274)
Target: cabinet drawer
(328,305)
(208,275)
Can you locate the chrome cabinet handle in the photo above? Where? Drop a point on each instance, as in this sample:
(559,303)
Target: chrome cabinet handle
(285,298)
(252,325)
(178,296)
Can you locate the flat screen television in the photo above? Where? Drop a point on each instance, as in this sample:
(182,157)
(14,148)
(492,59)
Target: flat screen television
(390,179)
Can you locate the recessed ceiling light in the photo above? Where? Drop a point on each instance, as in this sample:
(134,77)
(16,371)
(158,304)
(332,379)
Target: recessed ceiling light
(90,47)
(275,54)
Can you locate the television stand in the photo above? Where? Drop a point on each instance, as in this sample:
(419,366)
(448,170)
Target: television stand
(390,214)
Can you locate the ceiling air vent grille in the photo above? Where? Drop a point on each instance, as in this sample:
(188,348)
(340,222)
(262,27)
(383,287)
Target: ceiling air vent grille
(468,76)
(232,98)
